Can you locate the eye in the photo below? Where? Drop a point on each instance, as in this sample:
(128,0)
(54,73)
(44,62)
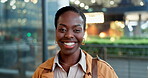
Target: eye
(62,30)
(77,30)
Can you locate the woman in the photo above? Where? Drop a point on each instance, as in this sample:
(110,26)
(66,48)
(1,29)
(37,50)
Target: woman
(71,61)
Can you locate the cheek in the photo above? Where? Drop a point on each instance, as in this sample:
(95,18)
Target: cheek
(59,36)
(80,37)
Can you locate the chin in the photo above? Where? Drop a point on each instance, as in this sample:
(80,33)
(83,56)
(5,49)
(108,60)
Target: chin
(69,51)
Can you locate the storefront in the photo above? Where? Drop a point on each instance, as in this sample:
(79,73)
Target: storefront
(21,35)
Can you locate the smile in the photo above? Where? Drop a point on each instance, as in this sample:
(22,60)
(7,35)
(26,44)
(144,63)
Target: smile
(69,44)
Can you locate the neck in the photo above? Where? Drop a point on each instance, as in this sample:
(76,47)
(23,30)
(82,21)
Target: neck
(70,59)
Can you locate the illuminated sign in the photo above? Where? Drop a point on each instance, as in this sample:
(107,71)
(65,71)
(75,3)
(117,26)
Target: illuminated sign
(96,17)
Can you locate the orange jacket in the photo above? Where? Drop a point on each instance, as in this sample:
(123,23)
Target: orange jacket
(104,69)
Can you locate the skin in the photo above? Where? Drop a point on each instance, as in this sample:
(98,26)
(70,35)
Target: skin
(70,29)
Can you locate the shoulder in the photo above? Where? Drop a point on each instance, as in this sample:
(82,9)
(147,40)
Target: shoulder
(106,70)
(104,64)
(100,62)
(47,65)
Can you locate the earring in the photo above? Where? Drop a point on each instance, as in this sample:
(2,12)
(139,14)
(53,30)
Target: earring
(83,42)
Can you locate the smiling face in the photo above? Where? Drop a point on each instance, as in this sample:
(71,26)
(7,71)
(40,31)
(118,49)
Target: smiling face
(69,32)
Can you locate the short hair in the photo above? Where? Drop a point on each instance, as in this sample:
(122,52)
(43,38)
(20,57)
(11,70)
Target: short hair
(69,8)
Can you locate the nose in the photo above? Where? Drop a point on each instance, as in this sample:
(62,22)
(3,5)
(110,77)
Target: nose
(69,34)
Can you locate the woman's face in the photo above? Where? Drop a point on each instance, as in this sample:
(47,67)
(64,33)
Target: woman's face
(69,32)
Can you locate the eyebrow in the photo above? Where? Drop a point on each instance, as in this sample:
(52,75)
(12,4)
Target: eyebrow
(62,25)
(74,25)
(78,25)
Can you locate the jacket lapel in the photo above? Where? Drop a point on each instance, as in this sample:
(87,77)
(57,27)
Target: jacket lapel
(48,75)
(89,66)
(47,69)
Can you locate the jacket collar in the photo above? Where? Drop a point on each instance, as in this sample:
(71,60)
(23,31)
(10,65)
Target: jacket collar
(47,64)
(88,63)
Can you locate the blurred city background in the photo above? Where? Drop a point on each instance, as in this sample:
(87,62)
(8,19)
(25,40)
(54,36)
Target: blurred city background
(117,31)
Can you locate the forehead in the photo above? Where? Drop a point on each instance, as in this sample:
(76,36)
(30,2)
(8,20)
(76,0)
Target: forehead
(70,13)
(70,18)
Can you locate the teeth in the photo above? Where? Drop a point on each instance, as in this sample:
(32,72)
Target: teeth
(69,44)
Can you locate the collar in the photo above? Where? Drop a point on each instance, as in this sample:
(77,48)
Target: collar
(82,62)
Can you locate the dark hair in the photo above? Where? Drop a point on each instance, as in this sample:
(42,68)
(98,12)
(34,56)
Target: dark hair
(69,8)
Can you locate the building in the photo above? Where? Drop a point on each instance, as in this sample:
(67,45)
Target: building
(22,27)
(27,29)
(129,16)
